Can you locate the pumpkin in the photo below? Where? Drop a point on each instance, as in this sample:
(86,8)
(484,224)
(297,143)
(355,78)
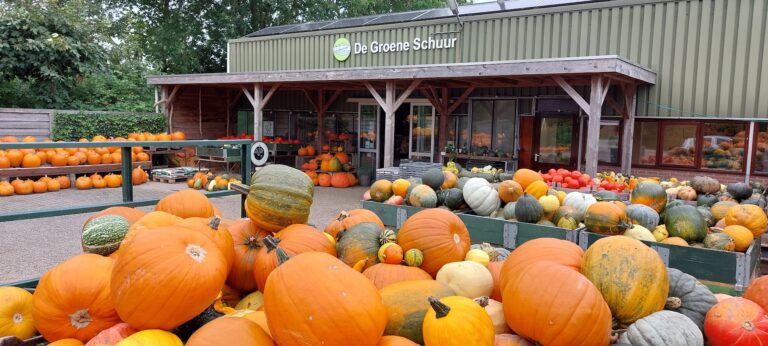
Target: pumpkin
(495,267)
(217,232)
(537,189)
(495,311)
(706,200)
(508,212)
(6,189)
(112,335)
(663,328)
(457,320)
(383,274)
(381,190)
(643,215)
(551,303)
(525,177)
(149,221)
(186,204)
(739,191)
(452,198)
(390,253)
(689,297)
(414,257)
(510,191)
(253,301)
(449,180)
(481,196)
(406,304)
(736,319)
(479,256)
(685,222)
(15,157)
(130,214)
(719,241)
(40,187)
(686,193)
(511,340)
(565,211)
(528,209)
(422,196)
(440,235)
(631,277)
(339,180)
(467,278)
(5,163)
(705,184)
(749,216)
(606,218)
(31,161)
(541,250)
(138,176)
(72,300)
(324,180)
(279,196)
(247,241)
(104,234)
(758,291)
(720,209)
(16,313)
(704,211)
(400,187)
(650,194)
(394,340)
(579,202)
(660,233)
(64,182)
(190,258)
(291,241)
(722,296)
(640,233)
(154,337)
(230,331)
(67,342)
(549,204)
(361,241)
(675,241)
(82,183)
(297,316)
(433,178)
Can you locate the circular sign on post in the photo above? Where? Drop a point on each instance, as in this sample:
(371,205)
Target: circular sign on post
(259,153)
(342,48)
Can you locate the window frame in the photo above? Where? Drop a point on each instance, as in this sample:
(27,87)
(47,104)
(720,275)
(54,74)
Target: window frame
(755,133)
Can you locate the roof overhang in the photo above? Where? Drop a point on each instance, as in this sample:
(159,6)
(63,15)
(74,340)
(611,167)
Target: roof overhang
(611,66)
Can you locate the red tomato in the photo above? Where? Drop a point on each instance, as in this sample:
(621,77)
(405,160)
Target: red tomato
(557,179)
(547,177)
(584,180)
(600,189)
(575,174)
(563,172)
(552,171)
(568,180)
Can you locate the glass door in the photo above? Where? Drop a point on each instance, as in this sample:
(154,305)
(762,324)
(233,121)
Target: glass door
(368,141)
(556,144)
(422,132)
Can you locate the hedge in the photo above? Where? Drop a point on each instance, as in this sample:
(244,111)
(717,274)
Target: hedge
(73,126)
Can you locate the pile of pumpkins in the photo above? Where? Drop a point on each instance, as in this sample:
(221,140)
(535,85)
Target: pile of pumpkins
(60,157)
(331,170)
(29,186)
(271,279)
(209,182)
(97,181)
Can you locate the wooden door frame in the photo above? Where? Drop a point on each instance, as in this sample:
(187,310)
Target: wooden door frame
(575,138)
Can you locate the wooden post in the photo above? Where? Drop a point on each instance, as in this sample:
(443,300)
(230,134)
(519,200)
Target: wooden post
(593,128)
(630,106)
(258,115)
(389,125)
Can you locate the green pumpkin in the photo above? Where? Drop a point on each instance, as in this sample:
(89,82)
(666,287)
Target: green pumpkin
(739,191)
(104,234)
(566,211)
(422,196)
(705,185)
(407,304)
(705,212)
(689,297)
(451,198)
(650,194)
(460,183)
(606,196)
(568,222)
(706,200)
(686,222)
(414,181)
(509,211)
(433,178)
(528,209)
(359,242)
(642,215)
(719,241)
(334,165)
(388,236)
(279,196)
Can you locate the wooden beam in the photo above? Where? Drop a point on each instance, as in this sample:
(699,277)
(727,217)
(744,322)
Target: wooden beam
(628,136)
(389,125)
(573,93)
(616,107)
(258,105)
(593,128)
(311,99)
(250,97)
(331,100)
(406,93)
(271,93)
(606,86)
(376,96)
(237,97)
(460,100)
(169,99)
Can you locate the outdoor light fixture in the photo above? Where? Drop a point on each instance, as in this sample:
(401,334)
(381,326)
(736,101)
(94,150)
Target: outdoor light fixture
(454,7)
(502,4)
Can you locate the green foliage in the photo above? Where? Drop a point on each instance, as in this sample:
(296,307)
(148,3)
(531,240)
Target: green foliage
(72,127)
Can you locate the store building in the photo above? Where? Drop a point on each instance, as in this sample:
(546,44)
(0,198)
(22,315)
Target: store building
(651,87)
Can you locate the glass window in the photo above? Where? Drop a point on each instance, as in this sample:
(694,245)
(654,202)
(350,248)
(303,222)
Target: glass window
(482,124)
(723,146)
(504,127)
(679,144)
(280,123)
(306,127)
(555,142)
(646,135)
(421,130)
(761,148)
(608,149)
(368,128)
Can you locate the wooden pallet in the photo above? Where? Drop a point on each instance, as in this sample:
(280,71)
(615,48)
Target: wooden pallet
(168,180)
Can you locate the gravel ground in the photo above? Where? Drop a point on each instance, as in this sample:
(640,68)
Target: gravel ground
(28,248)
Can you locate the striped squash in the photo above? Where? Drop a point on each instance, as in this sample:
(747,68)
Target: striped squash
(104,234)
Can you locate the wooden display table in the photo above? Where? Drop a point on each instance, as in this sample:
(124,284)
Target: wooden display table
(50,171)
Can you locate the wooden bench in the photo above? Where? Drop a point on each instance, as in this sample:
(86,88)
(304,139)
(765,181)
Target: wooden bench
(50,171)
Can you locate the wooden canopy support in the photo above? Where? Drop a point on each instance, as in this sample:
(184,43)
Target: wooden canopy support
(444,109)
(321,105)
(167,101)
(258,100)
(630,108)
(389,104)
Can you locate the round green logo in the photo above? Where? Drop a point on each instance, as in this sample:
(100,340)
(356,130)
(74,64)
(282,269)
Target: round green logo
(342,49)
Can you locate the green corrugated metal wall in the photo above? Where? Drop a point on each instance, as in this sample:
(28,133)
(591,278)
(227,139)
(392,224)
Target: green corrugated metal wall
(708,54)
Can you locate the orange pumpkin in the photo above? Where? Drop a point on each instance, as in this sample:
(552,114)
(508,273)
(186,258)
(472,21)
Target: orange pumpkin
(155,219)
(43,157)
(216,231)
(247,240)
(83,183)
(346,219)
(15,157)
(510,340)
(93,158)
(394,340)
(185,204)
(290,241)
(58,160)
(142,157)
(67,342)
(449,181)
(106,159)
(6,189)
(64,181)
(440,235)
(31,161)
(230,331)
(324,179)
(190,259)
(178,136)
(131,214)
(4,162)
(758,291)
(39,187)
(339,180)
(117,157)
(99,183)
(525,177)
(53,185)
(81,157)
(343,158)
(112,335)
(113,180)
(73,160)
(541,250)
(296,315)
(495,268)
(72,300)
(510,191)
(383,274)
(749,216)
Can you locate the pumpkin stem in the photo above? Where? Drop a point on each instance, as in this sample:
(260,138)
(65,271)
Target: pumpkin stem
(282,256)
(441,310)
(214,223)
(748,326)
(343,215)
(673,303)
(271,243)
(482,301)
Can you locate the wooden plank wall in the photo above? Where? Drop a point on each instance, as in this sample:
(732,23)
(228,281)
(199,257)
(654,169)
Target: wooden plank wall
(201,112)
(21,122)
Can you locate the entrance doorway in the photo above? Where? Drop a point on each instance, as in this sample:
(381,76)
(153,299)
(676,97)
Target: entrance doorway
(422,132)
(555,143)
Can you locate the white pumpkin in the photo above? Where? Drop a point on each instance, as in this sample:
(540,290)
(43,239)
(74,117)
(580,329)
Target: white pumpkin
(580,202)
(481,196)
(640,233)
(467,278)
(495,310)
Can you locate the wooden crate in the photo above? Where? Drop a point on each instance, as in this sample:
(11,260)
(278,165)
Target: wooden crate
(722,271)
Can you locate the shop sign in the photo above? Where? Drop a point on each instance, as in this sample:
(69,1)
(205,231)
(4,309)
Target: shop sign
(343,48)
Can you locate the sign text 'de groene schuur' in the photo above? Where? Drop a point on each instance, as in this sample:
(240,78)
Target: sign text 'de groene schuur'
(342,49)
